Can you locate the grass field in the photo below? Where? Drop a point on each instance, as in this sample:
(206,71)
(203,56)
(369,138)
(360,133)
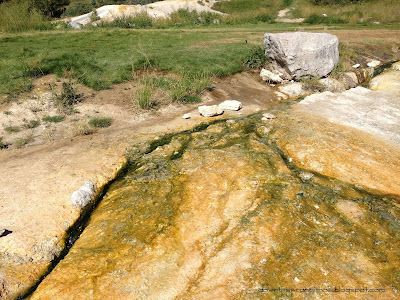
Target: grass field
(99,58)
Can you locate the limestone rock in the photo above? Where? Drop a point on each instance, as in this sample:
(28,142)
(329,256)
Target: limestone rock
(267,117)
(186,116)
(293,90)
(356,66)
(270,76)
(210,111)
(333,85)
(299,54)
(396,66)
(351,79)
(83,195)
(373,63)
(230,105)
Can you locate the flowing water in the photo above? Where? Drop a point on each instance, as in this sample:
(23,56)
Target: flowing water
(219,212)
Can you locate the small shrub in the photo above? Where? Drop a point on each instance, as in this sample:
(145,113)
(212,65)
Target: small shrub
(31,124)
(22,142)
(2,144)
(11,129)
(68,97)
(7,112)
(100,122)
(53,119)
(255,58)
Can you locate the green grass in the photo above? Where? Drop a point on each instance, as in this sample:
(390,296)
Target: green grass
(100,122)
(84,55)
(31,124)
(53,119)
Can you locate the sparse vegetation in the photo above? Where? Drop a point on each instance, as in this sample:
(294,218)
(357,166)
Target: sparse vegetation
(53,119)
(312,84)
(68,97)
(19,143)
(12,129)
(100,122)
(143,97)
(31,124)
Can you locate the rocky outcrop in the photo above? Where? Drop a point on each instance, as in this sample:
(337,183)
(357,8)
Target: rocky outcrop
(301,54)
(221,213)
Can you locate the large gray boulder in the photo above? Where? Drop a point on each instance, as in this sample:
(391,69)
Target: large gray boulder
(298,54)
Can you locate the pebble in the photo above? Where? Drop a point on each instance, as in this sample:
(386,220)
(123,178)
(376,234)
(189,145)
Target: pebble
(356,66)
(306,175)
(186,116)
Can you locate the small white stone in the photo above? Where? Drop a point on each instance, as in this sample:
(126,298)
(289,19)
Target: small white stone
(324,15)
(269,116)
(316,206)
(356,66)
(306,175)
(373,63)
(186,116)
(296,279)
(230,105)
(270,76)
(210,111)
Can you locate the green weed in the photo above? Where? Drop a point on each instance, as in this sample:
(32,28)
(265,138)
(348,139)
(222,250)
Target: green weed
(19,143)
(31,124)
(53,119)
(256,58)
(12,129)
(143,97)
(100,122)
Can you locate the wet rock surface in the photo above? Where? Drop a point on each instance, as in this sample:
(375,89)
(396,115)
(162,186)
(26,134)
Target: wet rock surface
(223,212)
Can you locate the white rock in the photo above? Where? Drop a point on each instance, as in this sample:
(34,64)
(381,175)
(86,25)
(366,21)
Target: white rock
(356,66)
(210,111)
(80,198)
(373,63)
(332,84)
(324,15)
(84,194)
(186,116)
(297,54)
(2,230)
(270,76)
(268,116)
(306,175)
(293,89)
(396,66)
(230,105)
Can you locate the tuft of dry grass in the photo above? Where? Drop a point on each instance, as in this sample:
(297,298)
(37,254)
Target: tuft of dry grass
(81,127)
